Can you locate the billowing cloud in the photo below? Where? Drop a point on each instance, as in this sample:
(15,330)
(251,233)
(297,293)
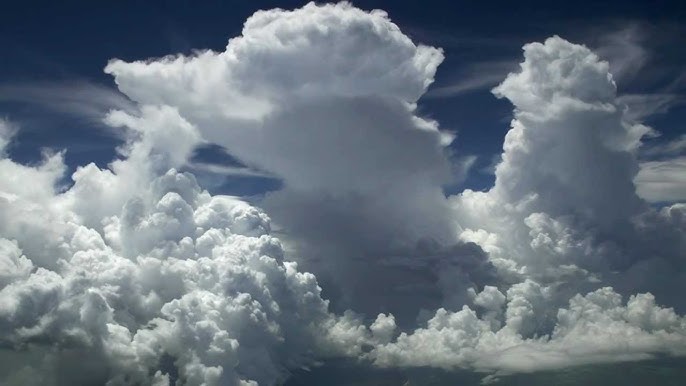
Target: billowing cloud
(139,267)
(593,328)
(567,169)
(273,103)
(139,274)
(362,171)
(170,282)
(563,218)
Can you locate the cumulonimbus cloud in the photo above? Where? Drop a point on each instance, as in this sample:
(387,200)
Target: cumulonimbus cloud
(362,171)
(139,267)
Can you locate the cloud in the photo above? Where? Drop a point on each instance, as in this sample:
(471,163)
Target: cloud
(227,170)
(81,99)
(269,108)
(597,327)
(477,77)
(362,172)
(662,181)
(562,220)
(674,147)
(556,160)
(623,49)
(136,265)
(7,131)
(166,274)
(142,276)
(376,222)
(641,106)
(661,178)
(564,201)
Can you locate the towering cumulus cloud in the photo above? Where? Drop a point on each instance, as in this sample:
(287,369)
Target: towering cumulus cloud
(134,274)
(564,204)
(324,98)
(563,219)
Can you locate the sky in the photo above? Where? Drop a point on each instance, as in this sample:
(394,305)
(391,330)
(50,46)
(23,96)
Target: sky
(266,193)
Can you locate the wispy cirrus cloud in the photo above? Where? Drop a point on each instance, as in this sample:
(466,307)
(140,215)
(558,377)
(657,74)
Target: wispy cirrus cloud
(477,76)
(654,86)
(641,106)
(670,148)
(227,170)
(79,99)
(625,51)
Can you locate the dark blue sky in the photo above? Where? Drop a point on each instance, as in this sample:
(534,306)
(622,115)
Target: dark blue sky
(55,50)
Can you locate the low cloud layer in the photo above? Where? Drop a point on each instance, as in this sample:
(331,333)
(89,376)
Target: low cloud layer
(141,276)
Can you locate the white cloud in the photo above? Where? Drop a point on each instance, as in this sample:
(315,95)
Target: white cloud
(641,106)
(136,263)
(173,273)
(362,171)
(674,147)
(567,167)
(78,98)
(662,181)
(594,328)
(555,224)
(7,131)
(563,218)
(139,267)
(624,51)
(477,76)
(272,102)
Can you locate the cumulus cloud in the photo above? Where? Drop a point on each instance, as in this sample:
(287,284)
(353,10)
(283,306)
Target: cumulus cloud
(563,219)
(172,283)
(567,167)
(301,108)
(597,327)
(362,171)
(139,274)
(136,265)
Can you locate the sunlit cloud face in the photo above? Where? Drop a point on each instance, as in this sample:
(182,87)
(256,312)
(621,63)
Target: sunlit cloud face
(138,274)
(362,171)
